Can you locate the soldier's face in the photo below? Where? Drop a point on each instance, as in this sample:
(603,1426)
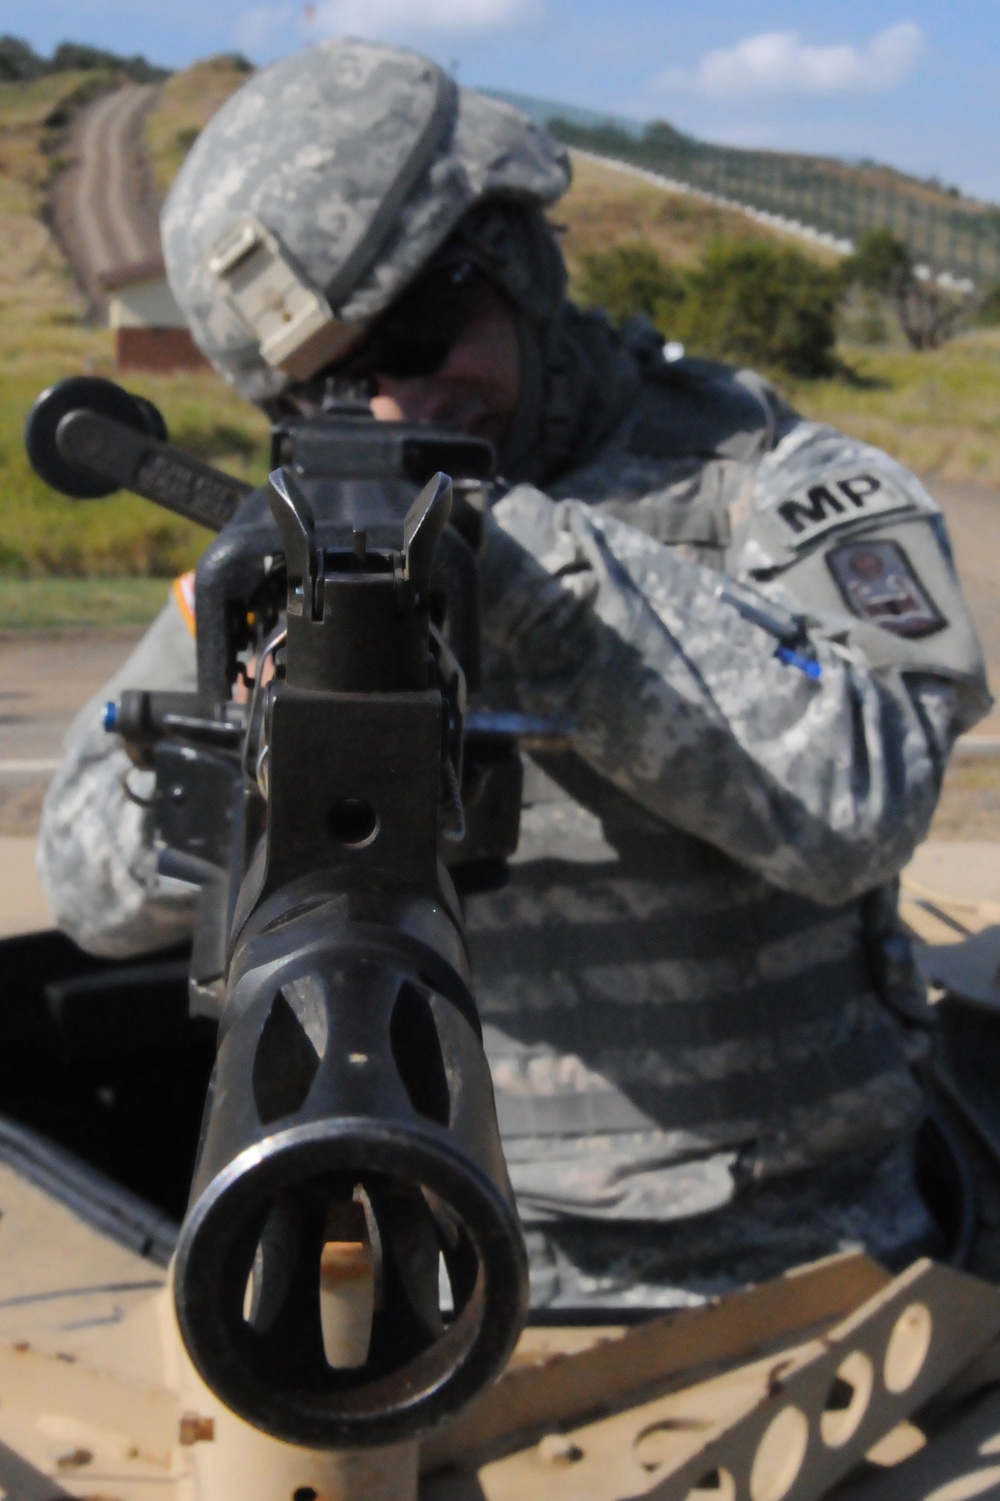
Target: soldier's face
(475,390)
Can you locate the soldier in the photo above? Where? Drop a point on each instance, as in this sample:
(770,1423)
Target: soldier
(692,986)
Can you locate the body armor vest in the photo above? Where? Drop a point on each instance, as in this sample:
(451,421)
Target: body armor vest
(665,1028)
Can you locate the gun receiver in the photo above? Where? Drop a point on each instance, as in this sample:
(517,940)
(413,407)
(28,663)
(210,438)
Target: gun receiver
(350,1134)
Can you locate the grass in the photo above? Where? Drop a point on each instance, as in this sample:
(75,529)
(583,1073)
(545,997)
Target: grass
(44,336)
(47,101)
(938,412)
(43,533)
(63,604)
(186,103)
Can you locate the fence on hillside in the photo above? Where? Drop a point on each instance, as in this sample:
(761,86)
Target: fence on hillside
(963,239)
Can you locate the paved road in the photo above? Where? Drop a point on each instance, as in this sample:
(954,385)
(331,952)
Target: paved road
(44,680)
(973,516)
(103,204)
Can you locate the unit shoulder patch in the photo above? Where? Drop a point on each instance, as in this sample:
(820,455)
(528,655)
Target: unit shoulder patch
(879,584)
(839,498)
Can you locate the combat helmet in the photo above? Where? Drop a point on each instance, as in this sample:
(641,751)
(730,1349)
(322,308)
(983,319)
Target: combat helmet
(324,187)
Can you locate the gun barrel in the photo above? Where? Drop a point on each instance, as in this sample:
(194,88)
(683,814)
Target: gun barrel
(351,1131)
(352,1121)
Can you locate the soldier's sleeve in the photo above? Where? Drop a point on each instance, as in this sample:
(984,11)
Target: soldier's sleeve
(797,714)
(95,855)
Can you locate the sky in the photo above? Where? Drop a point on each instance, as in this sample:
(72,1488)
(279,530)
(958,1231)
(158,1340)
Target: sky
(915,83)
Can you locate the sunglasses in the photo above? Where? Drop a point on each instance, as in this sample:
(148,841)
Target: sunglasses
(419,331)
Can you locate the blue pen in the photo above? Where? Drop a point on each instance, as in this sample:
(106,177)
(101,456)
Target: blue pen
(808,665)
(788,628)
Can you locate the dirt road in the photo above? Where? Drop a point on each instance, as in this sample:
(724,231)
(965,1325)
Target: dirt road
(104,207)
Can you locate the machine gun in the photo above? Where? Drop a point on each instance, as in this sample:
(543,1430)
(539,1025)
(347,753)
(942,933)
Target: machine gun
(330,816)
(349,1138)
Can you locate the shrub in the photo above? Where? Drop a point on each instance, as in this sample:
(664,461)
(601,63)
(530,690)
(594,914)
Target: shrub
(73,55)
(749,300)
(762,304)
(864,317)
(20,62)
(227,62)
(630,279)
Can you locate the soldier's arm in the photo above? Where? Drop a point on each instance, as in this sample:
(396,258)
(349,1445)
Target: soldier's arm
(819,768)
(95,855)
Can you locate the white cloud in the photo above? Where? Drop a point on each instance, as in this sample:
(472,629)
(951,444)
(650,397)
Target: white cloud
(389,17)
(266,29)
(780,62)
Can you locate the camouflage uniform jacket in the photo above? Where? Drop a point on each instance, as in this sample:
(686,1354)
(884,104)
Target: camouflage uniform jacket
(755,625)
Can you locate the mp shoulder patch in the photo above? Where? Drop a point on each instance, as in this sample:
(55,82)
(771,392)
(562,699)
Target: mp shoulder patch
(838,499)
(879,584)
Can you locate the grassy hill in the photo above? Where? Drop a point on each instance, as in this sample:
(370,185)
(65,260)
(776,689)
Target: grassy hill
(184,106)
(605,207)
(941,227)
(938,412)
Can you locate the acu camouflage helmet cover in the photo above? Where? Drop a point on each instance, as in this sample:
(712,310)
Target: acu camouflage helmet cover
(320,190)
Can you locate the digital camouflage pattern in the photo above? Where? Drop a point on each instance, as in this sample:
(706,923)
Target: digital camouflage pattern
(720,737)
(364,162)
(361,159)
(576,1263)
(95,854)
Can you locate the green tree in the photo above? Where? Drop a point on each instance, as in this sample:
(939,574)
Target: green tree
(18,61)
(81,55)
(928,312)
(880,264)
(629,279)
(762,304)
